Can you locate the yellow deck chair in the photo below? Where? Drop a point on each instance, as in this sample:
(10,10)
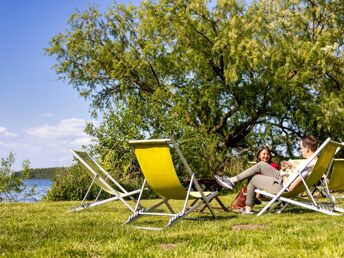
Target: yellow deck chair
(324,154)
(156,163)
(104,181)
(336,176)
(333,184)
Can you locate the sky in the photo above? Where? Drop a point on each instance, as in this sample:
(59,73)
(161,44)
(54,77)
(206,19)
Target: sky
(41,117)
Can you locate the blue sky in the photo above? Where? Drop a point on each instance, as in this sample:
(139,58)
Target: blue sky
(41,118)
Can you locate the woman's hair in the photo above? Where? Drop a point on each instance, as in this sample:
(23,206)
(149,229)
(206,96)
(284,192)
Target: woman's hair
(310,142)
(260,150)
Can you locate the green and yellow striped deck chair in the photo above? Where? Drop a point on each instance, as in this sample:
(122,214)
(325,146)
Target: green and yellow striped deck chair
(104,181)
(157,166)
(324,154)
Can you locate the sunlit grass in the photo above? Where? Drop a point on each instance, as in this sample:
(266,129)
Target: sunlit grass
(50,229)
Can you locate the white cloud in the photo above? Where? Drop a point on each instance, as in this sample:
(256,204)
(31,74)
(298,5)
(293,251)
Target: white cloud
(73,127)
(46,145)
(15,145)
(10,134)
(4,132)
(48,114)
(81,141)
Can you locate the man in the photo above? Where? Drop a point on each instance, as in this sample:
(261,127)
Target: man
(264,176)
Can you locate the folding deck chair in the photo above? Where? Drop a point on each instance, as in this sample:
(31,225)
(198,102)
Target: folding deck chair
(336,176)
(325,154)
(156,163)
(332,184)
(104,181)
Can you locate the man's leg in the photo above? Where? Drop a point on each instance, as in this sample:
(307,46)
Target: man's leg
(267,183)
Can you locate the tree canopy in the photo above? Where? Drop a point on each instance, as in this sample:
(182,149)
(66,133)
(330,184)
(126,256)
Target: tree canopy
(222,77)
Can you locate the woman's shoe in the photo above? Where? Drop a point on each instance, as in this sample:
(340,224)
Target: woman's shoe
(245,212)
(224,181)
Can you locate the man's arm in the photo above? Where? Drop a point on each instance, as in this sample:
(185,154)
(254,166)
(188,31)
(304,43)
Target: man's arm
(296,182)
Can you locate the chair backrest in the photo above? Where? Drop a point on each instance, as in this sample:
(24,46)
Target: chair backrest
(327,152)
(336,176)
(93,170)
(156,163)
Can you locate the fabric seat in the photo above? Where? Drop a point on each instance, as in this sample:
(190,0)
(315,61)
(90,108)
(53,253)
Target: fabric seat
(157,166)
(324,154)
(332,185)
(104,181)
(336,176)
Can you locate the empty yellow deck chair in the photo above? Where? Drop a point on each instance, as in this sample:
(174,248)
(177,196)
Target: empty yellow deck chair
(336,176)
(104,181)
(324,154)
(333,184)
(156,163)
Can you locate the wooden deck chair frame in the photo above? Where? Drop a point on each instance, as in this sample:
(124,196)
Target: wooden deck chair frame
(324,154)
(104,181)
(157,166)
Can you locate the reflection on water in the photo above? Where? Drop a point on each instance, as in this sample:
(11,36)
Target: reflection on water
(42,187)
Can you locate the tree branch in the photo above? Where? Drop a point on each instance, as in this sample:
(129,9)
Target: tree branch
(223,121)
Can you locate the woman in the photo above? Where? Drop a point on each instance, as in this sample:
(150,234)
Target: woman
(264,154)
(263,176)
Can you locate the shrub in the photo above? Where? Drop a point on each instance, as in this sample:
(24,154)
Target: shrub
(72,184)
(11,183)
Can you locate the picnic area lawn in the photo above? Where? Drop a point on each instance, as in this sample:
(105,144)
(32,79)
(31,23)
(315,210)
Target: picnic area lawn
(49,229)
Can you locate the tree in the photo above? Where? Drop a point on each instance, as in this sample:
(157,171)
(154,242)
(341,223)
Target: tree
(11,183)
(224,79)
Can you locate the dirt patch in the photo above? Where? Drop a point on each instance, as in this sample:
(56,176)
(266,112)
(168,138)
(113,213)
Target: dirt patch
(168,246)
(249,226)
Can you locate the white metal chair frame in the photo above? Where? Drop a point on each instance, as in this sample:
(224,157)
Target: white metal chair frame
(117,195)
(175,216)
(278,198)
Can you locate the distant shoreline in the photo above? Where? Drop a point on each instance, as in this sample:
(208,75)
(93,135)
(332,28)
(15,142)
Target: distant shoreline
(44,173)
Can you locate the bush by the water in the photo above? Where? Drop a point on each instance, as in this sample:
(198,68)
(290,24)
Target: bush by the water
(72,184)
(12,183)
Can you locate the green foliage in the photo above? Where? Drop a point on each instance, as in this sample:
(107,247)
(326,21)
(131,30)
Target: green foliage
(73,182)
(42,173)
(221,79)
(11,183)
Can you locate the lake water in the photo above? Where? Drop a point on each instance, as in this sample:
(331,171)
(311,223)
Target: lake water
(42,187)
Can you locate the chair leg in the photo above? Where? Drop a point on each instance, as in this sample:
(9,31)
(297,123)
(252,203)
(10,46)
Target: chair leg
(218,201)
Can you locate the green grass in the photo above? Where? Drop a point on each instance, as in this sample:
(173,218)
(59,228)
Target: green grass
(51,230)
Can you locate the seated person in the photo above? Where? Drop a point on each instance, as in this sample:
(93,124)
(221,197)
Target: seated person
(264,154)
(264,176)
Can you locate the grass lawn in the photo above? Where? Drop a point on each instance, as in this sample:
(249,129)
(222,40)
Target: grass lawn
(51,230)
